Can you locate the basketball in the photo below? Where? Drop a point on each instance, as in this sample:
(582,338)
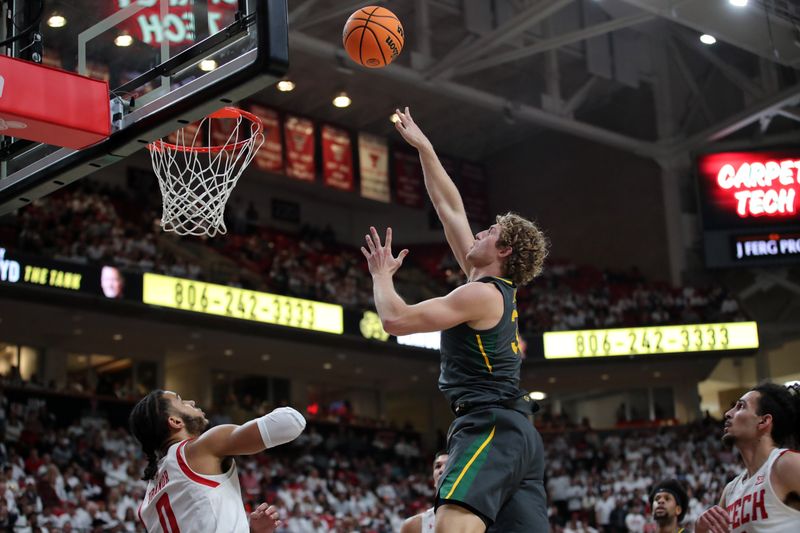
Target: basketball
(373,37)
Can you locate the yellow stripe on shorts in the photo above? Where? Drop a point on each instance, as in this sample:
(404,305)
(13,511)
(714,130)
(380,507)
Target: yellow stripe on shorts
(469,463)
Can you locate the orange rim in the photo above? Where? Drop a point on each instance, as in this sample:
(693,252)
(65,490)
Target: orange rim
(226,112)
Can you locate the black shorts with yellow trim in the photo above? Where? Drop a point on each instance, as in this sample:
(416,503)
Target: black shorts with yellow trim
(496,470)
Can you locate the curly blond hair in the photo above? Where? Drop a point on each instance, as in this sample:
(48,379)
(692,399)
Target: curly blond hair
(528,244)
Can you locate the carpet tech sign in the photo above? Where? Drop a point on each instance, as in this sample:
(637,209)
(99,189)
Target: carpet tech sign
(746,188)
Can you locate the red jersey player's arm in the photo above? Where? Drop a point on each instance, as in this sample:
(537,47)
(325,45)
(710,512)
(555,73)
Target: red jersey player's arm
(278,427)
(715,519)
(785,478)
(412,525)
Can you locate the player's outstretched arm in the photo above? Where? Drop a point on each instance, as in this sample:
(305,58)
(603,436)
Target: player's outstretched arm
(282,425)
(412,525)
(264,519)
(443,192)
(466,303)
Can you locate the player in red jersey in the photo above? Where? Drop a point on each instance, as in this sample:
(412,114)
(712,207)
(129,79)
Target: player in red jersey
(765,498)
(193,484)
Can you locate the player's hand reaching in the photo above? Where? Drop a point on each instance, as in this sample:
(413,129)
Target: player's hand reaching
(410,131)
(264,519)
(379,258)
(713,520)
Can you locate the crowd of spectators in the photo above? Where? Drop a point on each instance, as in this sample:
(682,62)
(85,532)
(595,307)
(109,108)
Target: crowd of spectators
(568,297)
(99,224)
(83,474)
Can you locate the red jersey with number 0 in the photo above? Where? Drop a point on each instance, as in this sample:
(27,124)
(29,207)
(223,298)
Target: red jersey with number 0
(179,499)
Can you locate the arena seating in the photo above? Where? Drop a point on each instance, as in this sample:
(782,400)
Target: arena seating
(84,469)
(91,223)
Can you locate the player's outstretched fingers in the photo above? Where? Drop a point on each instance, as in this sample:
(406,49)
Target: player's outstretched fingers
(388,240)
(375,236)
(370,244)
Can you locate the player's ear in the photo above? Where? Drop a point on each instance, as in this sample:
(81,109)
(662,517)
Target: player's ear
(505,251)
(175,422)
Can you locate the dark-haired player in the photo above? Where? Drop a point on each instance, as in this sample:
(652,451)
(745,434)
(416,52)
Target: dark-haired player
(192,480)
(764,425)
(669,503)
(494,477)
(425,522)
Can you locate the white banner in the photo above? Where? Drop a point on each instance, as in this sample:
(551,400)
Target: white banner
(373,158)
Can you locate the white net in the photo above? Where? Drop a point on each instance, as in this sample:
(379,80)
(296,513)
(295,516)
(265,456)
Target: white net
(196,177)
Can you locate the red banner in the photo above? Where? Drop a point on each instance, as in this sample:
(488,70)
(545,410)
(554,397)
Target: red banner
(300,161)
(474,192)
(409,184)
(270,156)
(373,160)
(337,158)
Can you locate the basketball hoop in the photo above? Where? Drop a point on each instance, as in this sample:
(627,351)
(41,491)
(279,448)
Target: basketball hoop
(196,180)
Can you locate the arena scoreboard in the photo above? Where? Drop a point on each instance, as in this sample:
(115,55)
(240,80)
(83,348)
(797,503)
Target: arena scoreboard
(750,205)
(234,302)
(648,341)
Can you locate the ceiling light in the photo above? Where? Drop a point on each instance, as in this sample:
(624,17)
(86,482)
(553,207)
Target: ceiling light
(56,21)
(738,3)
(538,395)
(394,118)
(77,331)
(266,357)
(656,374)
(123,40)
(415,378)
(342,100)
(604,377)
(327,366)
(707,39)
(190,347)
(551,380)
(207,65)
(285,86)
(228,352)
(117,336)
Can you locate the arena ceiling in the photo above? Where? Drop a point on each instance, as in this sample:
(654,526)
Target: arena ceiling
(485,75)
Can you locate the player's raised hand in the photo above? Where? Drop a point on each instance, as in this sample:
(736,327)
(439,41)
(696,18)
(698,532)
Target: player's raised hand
(264,519)
(410,131)
(379,257)
(713,520)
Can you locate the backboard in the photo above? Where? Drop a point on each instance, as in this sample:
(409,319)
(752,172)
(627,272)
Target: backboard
(168,64)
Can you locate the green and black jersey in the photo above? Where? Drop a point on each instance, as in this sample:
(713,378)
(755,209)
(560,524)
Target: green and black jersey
(482,367)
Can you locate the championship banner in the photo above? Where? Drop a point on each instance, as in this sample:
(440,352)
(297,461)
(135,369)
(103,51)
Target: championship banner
(337,158)
(300,163)
(269,157)
(373,158)
(409,184)
(473,191)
